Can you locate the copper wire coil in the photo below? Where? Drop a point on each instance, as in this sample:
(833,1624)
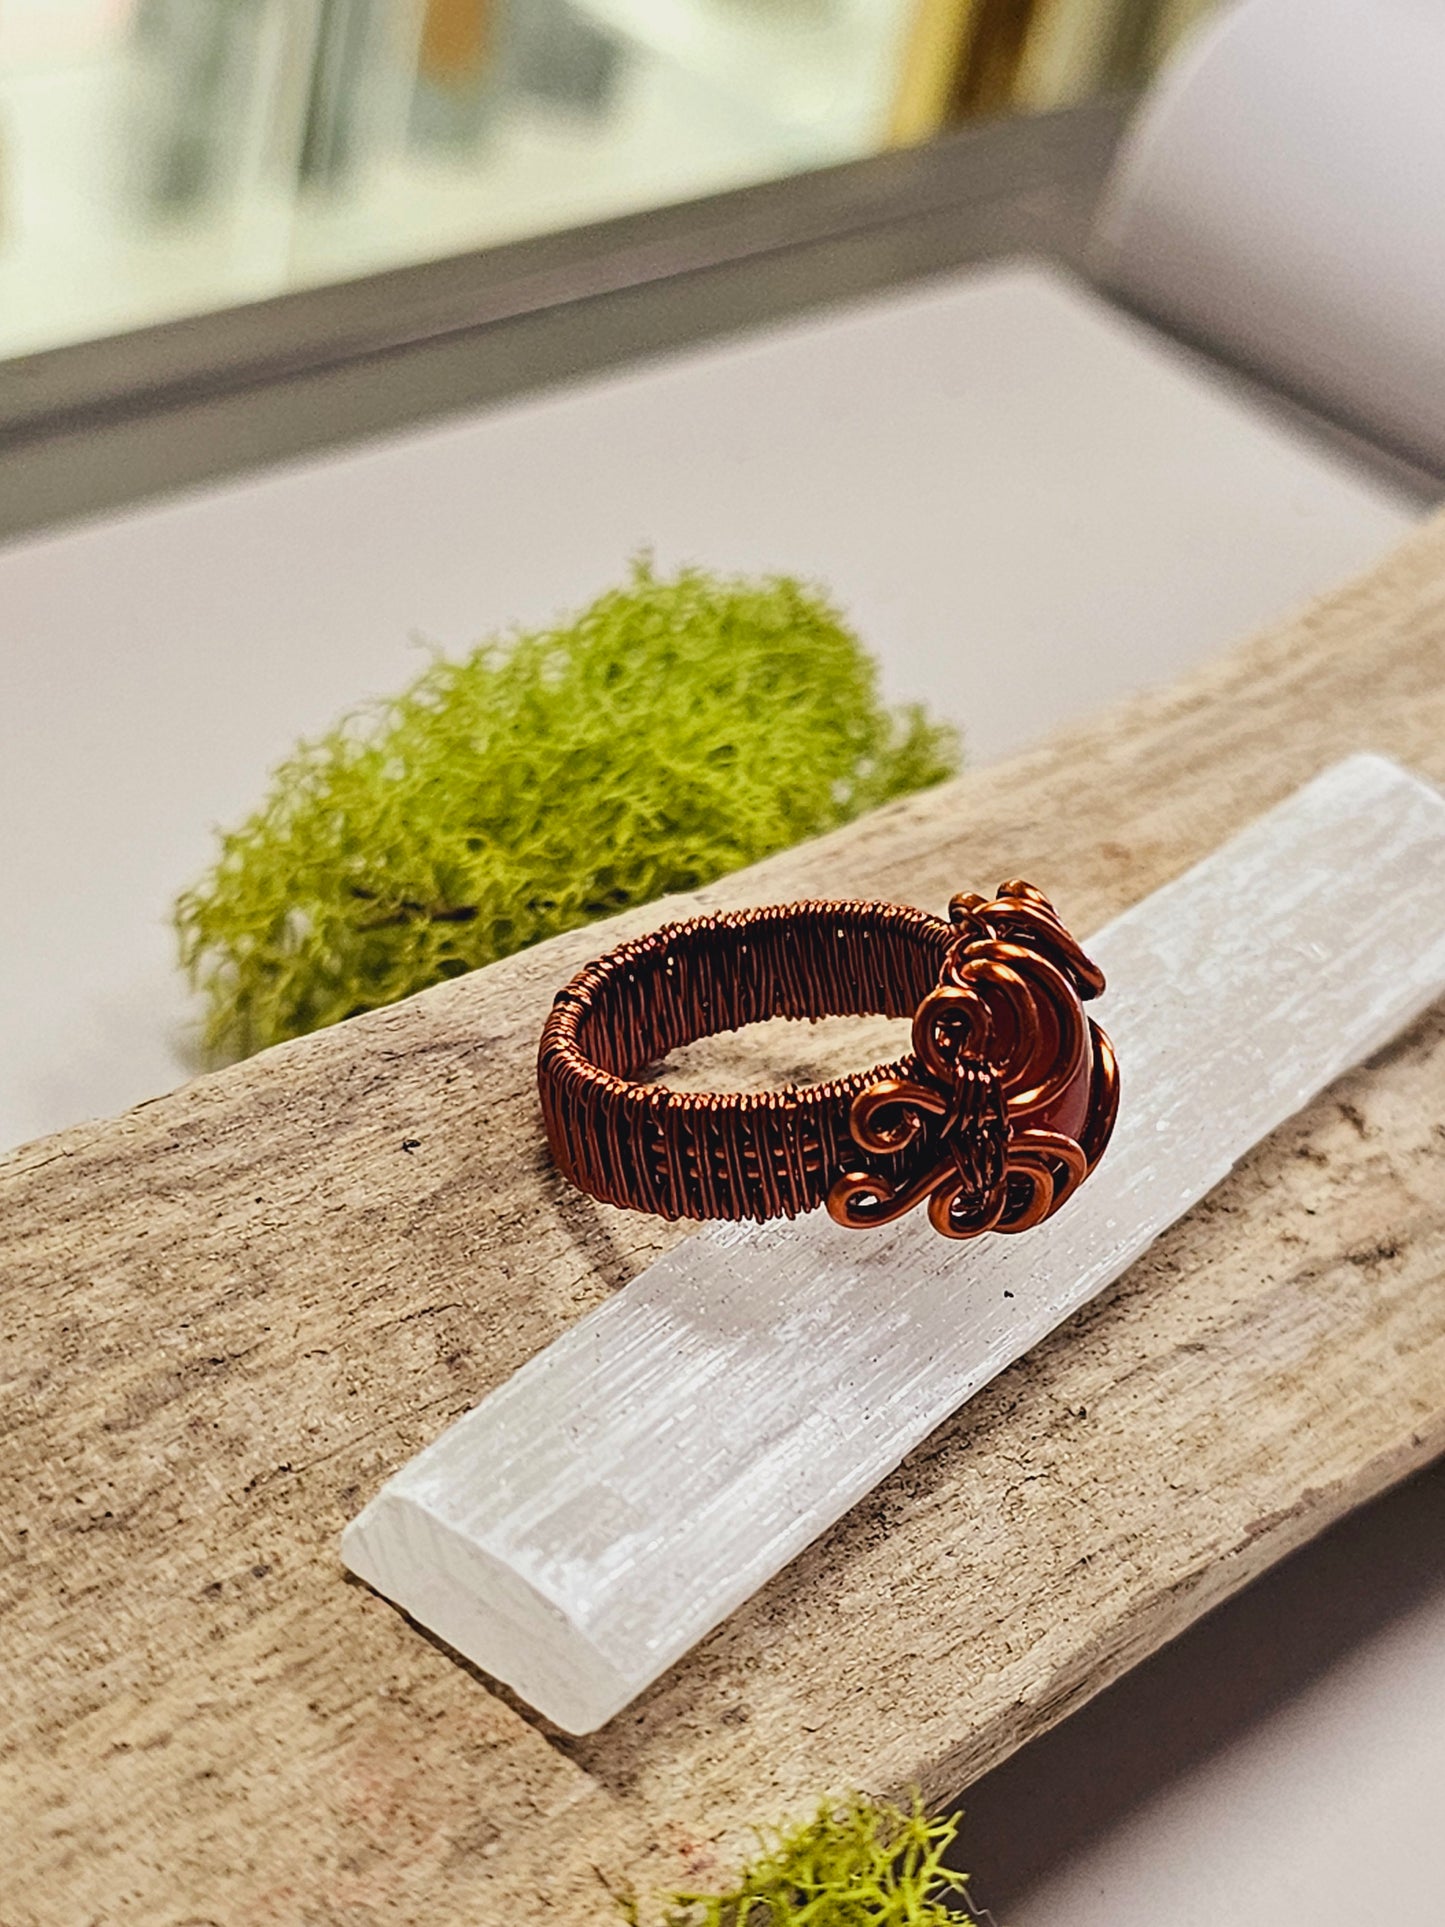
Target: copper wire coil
(1000,1111)
(726,1154)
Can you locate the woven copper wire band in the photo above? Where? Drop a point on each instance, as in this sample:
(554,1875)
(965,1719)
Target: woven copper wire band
(724,1154)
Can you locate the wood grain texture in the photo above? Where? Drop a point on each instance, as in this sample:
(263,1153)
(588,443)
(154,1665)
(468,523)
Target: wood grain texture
(228,1315)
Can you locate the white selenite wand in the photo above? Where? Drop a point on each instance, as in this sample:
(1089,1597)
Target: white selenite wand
(639,1479)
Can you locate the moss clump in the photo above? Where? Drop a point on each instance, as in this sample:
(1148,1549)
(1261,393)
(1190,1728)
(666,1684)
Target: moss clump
(677,729)
(865,1864)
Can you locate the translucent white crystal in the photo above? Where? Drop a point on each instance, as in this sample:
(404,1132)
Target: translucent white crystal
(636,1481)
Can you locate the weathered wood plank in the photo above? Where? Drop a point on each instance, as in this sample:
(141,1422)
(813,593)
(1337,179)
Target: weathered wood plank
(230,1313)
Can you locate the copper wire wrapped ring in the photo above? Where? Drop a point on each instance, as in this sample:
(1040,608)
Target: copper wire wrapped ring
(999,1112)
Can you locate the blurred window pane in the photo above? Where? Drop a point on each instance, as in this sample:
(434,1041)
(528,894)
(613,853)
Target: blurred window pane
(168,157)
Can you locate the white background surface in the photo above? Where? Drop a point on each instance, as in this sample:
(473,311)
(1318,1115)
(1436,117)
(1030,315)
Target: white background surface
(1280,195)
(1026,505)
(1281,1765)
(1023,504)
(1325,1810)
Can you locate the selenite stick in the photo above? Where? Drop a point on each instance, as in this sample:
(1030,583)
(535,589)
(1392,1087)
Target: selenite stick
(639,1479)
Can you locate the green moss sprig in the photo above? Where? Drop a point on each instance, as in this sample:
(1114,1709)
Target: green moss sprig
(677,729)
(864,1864)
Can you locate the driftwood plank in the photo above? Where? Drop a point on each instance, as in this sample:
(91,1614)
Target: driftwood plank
(229,1314)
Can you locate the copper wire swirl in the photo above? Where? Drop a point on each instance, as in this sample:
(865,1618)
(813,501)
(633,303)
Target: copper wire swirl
(999,1111)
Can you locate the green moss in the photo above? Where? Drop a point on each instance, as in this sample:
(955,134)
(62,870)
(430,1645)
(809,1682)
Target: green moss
(677,729)
(865,1864)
